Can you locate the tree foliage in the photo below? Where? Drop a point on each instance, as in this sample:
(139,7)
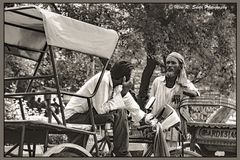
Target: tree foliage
(148,32)
(205,37)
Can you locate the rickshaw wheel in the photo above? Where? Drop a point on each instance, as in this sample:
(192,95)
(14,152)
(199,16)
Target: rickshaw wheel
(187,153)
(67,150)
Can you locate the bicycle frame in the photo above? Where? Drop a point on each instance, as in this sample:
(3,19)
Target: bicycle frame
(169,118)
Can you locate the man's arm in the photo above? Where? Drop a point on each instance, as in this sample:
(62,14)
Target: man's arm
(190,93)
(103,102)
(133,108)
(121,99)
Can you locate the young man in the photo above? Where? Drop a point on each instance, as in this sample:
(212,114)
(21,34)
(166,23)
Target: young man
(110,104)
(169,89)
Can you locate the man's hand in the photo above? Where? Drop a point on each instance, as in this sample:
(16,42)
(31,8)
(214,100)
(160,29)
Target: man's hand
(148,118)
(189,92)
(126,86)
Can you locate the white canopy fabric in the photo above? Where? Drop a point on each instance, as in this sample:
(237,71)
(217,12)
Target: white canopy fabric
(34,28)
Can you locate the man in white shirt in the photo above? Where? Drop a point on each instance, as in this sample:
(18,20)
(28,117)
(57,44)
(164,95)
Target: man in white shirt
(110,103)
(169,90)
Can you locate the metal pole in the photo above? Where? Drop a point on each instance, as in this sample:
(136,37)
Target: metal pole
(35,72)
(12,95)
(23,117)
(49,111)
(28,77)
(29,150)
(34,150)
(20,150)
(21,108)
(10,150)
(45,146)
(182,145)
(93,125)
(57,84)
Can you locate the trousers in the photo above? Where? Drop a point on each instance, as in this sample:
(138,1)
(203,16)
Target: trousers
(120,129)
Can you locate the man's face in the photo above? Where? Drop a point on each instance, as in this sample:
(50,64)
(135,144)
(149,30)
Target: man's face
(172,66)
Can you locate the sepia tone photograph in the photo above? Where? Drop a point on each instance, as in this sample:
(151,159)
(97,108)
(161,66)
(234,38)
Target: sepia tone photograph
(119,80)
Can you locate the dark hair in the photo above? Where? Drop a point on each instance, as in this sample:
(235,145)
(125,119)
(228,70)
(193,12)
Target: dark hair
(121,69)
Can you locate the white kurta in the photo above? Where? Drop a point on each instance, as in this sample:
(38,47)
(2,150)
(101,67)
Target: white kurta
(165,96)
(105,100)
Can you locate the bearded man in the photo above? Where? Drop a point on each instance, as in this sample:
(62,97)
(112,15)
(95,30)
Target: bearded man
(169,89)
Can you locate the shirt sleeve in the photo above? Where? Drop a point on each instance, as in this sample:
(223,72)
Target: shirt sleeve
(105,102)
(118,102)
(133,108)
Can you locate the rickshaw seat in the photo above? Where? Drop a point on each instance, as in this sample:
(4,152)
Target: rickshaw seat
(44,125)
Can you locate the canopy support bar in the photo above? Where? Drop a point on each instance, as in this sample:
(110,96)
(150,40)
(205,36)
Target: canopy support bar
(57,84)
(6,95)
(36,68)
(17,9)
(27,28)
(25,48)
(29,77)
(27,15)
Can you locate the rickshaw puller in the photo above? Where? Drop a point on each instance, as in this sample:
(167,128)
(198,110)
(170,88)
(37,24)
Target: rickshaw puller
(110,103)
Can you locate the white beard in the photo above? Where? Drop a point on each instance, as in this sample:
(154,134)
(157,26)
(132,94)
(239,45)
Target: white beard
(170,74)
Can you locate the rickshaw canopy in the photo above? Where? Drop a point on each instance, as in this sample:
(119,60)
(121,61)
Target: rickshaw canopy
(29,29)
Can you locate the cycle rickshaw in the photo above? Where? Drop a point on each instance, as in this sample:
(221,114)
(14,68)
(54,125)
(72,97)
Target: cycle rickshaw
(32,33)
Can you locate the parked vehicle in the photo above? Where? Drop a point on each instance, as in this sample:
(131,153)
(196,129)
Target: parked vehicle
(31,33)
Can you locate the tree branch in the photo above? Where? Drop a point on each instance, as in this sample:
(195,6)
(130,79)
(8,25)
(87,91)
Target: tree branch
(52,5)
